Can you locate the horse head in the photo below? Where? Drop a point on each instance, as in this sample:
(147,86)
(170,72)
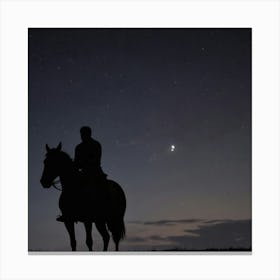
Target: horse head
(52,165)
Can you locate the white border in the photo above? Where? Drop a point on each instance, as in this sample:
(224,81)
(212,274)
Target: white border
(17,16)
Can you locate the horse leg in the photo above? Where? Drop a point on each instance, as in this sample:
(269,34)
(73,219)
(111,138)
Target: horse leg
(101,227)
(88,227)
(117,245)
(116,241)
(71,230)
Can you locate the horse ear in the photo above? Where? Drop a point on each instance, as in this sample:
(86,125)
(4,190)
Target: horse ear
(59,146)
(47,148)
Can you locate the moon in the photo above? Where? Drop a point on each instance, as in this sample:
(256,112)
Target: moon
(172,148)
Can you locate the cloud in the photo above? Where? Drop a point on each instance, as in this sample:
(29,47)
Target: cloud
(157,237)
(216,221)
(135,239)
(167,222)
(222,235)
(191,234)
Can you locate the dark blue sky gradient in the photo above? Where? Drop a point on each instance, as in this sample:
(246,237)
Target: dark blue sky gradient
(143,90)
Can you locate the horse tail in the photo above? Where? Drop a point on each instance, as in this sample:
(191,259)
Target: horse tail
(115,220)
(117,229)
(122,229)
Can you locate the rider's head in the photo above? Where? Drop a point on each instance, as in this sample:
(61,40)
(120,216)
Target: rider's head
(85,133)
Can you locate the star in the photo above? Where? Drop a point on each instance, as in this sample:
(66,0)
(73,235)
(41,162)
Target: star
(172,148)
(71,60)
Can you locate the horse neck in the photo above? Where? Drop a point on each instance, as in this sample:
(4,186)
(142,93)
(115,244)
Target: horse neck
(68,175)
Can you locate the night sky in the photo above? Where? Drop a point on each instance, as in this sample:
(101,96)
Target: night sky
(172,111)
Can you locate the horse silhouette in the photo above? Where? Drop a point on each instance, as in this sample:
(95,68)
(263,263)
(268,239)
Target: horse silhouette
(103,205)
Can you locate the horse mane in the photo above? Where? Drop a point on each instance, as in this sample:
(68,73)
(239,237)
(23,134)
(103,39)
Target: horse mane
(64,156)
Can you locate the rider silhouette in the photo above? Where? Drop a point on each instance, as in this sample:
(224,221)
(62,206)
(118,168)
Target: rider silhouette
(88,161)
(88,154)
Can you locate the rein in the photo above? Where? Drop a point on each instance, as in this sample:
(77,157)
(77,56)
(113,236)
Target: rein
(57,185)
